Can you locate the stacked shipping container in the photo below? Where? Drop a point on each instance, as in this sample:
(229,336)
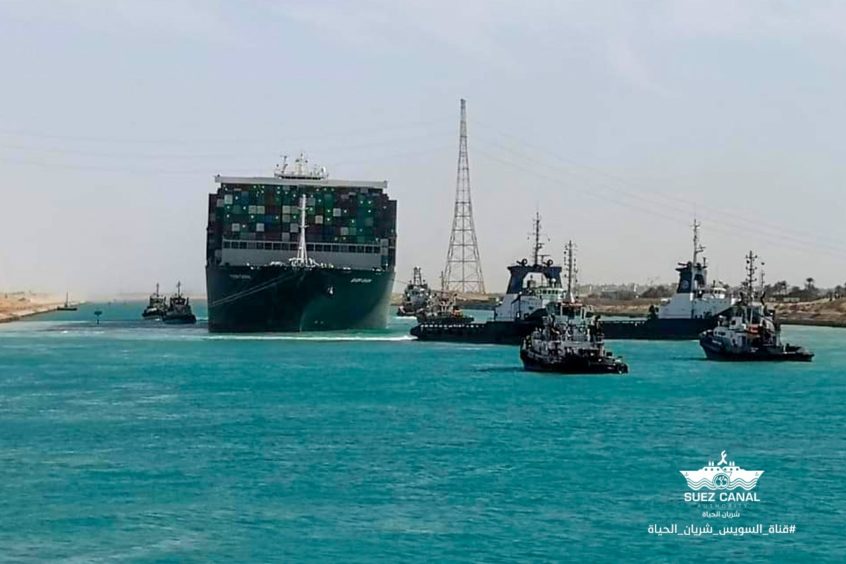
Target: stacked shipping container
(339,219)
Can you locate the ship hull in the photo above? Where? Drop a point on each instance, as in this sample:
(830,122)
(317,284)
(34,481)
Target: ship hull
(181,319)
(715,351)
(658,329)
(292,299)
(490,332)
(572,364)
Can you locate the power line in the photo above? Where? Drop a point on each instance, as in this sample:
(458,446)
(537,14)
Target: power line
(196,141)
(777,230)
(721,226)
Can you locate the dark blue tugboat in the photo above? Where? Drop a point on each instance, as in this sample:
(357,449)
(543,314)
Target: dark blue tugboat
(570,340)
(179,309)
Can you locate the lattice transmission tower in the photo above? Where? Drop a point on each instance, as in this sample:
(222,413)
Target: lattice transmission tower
(463,272)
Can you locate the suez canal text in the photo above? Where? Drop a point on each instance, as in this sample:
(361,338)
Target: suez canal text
(705,497)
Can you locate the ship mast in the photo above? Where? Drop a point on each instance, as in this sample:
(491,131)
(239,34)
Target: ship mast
(570,258)
(302,255)
(537,245)
(417,276)
(751,269)
(697,247)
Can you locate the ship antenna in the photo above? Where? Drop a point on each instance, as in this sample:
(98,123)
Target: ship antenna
(302,256)
(697,247)
(762,279)
(538,245)
(179,289)
(570,257)
(751,269)
(157,289)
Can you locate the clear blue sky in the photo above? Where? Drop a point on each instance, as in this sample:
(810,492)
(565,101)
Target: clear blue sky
(618,120)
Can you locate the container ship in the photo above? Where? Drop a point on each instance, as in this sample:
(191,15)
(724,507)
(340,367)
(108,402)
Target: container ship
(299,252)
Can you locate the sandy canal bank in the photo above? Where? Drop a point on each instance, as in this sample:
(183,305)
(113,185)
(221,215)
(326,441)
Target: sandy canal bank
(15,306)
(821,313)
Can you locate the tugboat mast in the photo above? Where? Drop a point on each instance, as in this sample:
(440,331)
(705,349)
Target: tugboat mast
(697,247)
(751,269)
(570,257)
(536,233)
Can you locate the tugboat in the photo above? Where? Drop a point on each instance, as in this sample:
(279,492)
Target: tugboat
(179,309)
(571,339)
(695,307)
(443,310)
(67,306)
(157,306)
(750,332)
(416,296)
(521,310)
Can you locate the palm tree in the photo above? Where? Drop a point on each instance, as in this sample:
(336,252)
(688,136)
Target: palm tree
(780,287)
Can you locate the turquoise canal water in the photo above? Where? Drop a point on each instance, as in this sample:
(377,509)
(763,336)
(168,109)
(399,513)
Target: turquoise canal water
(139,441)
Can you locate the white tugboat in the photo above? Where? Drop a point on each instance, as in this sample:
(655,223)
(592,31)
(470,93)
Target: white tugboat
(156,307)
(417,295)
(443,309)
(571,339)
(749,332)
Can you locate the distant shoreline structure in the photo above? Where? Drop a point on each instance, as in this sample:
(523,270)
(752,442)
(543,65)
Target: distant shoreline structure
(15,306)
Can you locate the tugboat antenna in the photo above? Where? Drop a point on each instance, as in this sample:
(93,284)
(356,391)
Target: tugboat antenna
(762,279)
(538,245)
(697,247)
(571,272)
(751,269)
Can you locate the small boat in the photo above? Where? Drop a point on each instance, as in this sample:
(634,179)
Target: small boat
(443,310)
(750,332)
(416,296)
(571,339)
(179,309)
(67,305)
(156,307)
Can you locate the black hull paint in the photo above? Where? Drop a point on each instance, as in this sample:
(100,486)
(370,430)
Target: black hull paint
(574,364)
(289,299)
(490,332)
(180,320)
(714,351)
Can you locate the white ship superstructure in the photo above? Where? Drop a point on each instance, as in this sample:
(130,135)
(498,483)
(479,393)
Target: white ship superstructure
(695,298)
